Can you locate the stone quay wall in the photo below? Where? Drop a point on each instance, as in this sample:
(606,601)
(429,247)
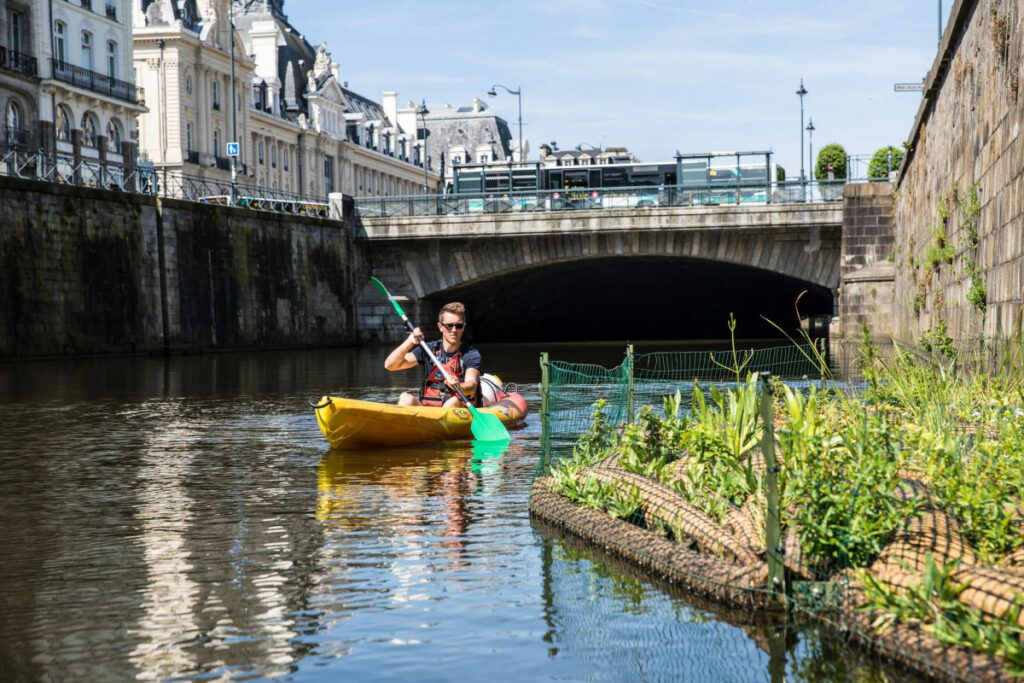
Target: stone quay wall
(87,271)
(866,261)
(958,221)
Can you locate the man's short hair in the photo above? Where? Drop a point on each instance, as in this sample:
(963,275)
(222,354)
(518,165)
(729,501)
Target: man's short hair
(454,307)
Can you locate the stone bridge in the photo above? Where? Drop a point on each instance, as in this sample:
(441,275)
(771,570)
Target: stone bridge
(650,273)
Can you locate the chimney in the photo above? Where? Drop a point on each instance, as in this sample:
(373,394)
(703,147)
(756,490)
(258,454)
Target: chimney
(389,98)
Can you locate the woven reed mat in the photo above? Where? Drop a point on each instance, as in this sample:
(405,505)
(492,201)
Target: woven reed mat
(992,591)
(916,649)
(713,576)
(670,507)
(746,522)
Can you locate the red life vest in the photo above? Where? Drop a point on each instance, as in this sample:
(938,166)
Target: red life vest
(434,391)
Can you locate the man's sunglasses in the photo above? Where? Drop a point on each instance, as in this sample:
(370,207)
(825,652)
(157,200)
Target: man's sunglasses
(451,327)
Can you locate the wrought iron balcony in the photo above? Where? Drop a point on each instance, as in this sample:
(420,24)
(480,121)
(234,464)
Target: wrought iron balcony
(18,61)
(111,11)
(19,138)
(192,156)
(223,163)
(96,82)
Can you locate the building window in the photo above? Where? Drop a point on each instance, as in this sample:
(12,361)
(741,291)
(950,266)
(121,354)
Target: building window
(216,143)
(63,124)
(215,92)
(328,174)
(60,47)
(273,156)
(16,31)
(284,158)
(114,136)
(87,50)
(112,59)
(88,129)
(188,84)
(259,148)
(13,122)
(188,136)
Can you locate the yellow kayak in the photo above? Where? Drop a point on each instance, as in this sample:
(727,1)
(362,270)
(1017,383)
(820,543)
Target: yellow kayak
(348,423)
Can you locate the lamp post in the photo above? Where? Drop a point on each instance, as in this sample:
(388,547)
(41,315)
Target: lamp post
(810,144)
(519,94)
(801,92)
(234,116)
(423,111)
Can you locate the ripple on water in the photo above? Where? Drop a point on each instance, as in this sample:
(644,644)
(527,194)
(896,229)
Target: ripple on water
(182,519)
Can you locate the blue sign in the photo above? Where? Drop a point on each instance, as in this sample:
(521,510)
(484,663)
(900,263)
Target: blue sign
(232,149)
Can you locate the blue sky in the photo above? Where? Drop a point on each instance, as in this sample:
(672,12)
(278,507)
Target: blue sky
(655,76)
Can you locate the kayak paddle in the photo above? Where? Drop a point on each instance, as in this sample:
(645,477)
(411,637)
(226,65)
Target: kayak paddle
(485,427)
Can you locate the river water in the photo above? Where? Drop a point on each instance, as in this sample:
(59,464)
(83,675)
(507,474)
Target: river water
(183,519)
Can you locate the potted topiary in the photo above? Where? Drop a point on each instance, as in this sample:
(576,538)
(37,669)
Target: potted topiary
(830,171)
(886,161)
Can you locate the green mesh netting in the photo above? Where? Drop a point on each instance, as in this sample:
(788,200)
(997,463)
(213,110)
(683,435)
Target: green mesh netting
(570,390)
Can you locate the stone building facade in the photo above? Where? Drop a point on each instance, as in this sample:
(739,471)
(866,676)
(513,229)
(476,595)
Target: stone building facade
(468,135)
(67,87)
(959,214)
(302,132)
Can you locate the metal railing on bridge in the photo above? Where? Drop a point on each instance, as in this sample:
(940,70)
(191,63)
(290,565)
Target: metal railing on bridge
(589,199)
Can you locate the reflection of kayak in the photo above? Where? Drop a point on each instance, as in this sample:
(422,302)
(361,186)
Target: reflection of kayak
(348,423)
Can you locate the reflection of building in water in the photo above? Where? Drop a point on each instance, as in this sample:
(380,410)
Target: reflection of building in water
(169,599)
(222,587)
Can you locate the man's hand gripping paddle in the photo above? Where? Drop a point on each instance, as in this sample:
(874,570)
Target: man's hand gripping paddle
(485,427)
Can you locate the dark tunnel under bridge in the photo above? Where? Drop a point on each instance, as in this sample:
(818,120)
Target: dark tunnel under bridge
(644,298)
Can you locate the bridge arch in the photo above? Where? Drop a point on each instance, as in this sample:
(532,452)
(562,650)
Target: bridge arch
(519,287)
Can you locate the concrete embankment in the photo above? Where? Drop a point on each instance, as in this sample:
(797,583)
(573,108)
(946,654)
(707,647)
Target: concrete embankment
(87,271)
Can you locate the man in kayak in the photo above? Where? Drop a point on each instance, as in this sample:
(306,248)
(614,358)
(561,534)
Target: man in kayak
(460,363)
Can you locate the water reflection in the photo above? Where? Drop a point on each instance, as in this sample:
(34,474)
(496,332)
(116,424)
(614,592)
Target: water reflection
(184,518)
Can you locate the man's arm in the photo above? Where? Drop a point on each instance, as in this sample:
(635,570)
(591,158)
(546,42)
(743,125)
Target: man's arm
(402,358)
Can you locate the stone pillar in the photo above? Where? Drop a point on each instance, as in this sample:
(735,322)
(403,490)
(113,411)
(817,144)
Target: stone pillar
(867,270)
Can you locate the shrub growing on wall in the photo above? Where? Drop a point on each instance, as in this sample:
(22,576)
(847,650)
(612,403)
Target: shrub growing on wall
(881,164)
(831,154)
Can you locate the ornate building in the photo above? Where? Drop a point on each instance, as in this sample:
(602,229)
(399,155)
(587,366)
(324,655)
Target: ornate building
(301,130)
(67,87)
(468,135)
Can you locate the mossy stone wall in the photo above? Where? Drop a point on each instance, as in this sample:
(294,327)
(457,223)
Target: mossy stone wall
(960,265)
(85,271)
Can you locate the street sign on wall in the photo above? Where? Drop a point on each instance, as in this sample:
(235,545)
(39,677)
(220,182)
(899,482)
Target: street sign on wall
(908,87)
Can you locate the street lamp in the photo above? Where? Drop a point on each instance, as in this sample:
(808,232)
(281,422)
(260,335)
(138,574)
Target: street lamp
(234,116)
(423,111)
(801,92)
(519,94)
(810,144)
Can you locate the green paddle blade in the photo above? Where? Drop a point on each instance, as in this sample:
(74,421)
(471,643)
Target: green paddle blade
(384,290)
(487,427)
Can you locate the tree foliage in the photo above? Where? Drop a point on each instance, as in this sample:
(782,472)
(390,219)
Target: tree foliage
(881,163)
(834,154)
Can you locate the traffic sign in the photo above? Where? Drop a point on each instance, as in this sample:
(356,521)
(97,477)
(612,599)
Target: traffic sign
(908,87)
(232,149)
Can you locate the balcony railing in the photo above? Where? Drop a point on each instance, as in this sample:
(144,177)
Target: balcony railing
(87,4)
(111,11)
(18,61)
(19,138)
(223,163)
(192,156)
(96,82)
